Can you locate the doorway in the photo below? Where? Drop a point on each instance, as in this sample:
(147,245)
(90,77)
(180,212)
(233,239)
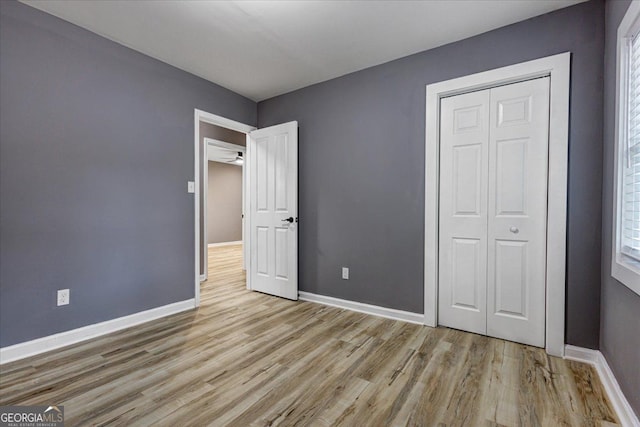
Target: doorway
(223,195)
(270,228)
(212,127)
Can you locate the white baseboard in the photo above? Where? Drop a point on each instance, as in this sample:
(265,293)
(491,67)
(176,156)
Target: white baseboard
(620,403)
(203,277)
(215,245)
(581,354)
(63,339)
(375,310)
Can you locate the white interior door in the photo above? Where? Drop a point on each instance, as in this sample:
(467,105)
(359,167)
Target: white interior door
(464,142)
(518,159)
(273,177)
(493,211)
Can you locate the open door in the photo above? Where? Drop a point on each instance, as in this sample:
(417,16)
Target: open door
(273,206)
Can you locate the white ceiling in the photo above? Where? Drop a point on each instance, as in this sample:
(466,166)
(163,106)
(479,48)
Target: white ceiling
(265,48)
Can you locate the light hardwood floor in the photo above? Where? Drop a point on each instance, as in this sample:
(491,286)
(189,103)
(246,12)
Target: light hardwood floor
(248,359)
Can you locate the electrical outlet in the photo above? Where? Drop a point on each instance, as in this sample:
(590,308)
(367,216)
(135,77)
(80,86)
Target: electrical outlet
(345,273)
(63,296)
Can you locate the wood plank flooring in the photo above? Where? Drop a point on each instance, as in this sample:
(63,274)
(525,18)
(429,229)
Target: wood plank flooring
(248,359)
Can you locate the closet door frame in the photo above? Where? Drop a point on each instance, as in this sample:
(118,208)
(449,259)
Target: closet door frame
(557,67)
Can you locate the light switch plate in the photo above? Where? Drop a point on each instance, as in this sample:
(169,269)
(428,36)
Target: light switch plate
(191,187)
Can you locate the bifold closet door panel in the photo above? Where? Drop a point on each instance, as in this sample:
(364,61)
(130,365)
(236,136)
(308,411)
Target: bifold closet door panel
(464,141)
(517,211)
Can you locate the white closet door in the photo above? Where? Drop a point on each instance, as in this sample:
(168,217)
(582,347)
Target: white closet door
(518,158)
(464,150)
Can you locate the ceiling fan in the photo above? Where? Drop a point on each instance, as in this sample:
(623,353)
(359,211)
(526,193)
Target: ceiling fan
(225,155)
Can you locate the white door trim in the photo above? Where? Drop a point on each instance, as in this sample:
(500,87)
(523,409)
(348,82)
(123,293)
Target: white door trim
(557,67)
(203,116)
(205,190)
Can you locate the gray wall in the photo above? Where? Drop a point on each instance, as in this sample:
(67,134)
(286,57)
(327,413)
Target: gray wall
(361,158)
(620,312)
(93,167)
(96,148)
(221,134)
(224,203)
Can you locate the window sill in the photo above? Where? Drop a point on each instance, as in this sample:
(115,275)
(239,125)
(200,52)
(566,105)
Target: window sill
(626,271)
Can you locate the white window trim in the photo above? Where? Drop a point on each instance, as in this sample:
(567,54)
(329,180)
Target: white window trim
(623,269)
(557,68)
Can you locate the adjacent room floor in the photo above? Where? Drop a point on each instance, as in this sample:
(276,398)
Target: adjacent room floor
(246,358)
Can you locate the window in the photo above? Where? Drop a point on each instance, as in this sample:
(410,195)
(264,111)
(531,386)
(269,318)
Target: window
(630,244)
(626,244)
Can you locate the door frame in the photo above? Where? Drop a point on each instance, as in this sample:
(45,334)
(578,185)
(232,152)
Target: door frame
(205,171)
(557,67)
(203,116)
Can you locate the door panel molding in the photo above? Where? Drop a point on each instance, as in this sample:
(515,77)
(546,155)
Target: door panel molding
(557,67)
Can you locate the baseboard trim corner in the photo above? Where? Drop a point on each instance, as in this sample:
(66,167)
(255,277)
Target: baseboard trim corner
(581,354)
(375,310)
(620,403)
(74,336)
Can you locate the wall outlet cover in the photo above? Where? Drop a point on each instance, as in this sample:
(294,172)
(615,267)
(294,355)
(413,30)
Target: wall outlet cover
(345,273)
(63,297)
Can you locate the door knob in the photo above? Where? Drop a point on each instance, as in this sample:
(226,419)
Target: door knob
(289,220)
(514,230)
